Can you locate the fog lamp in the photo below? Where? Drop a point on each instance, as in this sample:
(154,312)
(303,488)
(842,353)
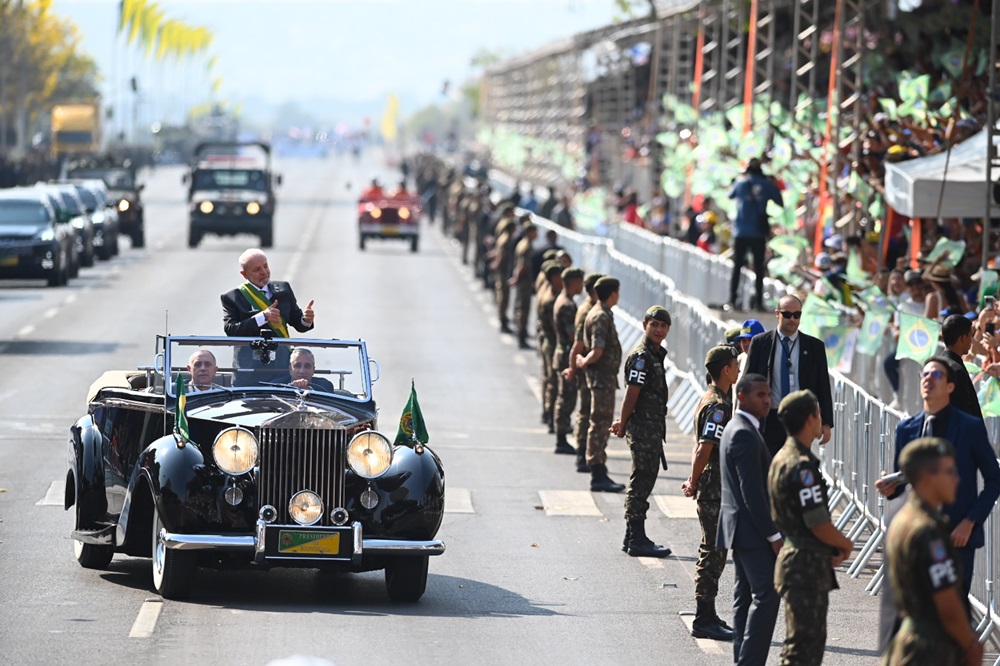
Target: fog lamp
(305,507)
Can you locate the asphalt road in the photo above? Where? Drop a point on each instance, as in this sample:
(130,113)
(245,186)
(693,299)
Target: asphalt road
(519,583)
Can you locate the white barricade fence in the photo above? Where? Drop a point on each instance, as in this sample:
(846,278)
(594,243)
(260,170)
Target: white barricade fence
(663,271)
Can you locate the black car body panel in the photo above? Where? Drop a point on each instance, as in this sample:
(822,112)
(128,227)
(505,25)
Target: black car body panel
(125,194)
(33,243)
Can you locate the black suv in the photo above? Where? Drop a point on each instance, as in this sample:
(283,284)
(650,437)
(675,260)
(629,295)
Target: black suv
(33,242)
(125,193)
(231,191)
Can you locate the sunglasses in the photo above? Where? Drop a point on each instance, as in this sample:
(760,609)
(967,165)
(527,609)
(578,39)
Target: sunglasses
(933,374)
(787,314)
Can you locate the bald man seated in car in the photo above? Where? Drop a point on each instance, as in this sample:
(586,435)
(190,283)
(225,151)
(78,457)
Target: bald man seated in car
(203,369)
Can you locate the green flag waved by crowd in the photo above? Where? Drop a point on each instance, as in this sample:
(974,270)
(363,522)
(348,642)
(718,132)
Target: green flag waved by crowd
(989,397)
(872,331)
(180,418)
(918,337)
(411,423)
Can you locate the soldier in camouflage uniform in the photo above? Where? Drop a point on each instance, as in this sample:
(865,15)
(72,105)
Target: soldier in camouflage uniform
(578,350)
(601,363)
(644,421)
(552,270)
(705,484)
(523,282)
(565,330)
(803,573)
(501,260)
(924,569)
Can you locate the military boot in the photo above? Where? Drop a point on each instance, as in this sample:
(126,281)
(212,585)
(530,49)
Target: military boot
(708,625)
(562,446)
(628,536)
(581,462)
(639,545)
(522,341)
(601,483)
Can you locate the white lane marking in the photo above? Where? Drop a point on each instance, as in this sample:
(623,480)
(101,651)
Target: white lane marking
(651,562)
(50,313)
(535,386)
(520,360)
(675,506)
(568,503)
(53,496)
(145,621)
(707,646)
(507,340)
(304,244)
(69,299)
(458,500)
(25,331)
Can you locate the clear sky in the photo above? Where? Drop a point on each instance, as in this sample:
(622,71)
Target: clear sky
(351,50)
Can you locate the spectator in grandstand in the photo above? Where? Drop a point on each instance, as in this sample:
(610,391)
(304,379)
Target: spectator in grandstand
(708,240)
(944,294)
(564,213)
(630,211)
(660,221)
(550,203)
(911,303)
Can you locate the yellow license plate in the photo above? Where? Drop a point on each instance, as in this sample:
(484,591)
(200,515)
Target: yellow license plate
(8,261)
(312,543)
(390,231)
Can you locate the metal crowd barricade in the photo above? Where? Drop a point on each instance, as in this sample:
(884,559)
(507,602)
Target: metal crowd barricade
(655,270)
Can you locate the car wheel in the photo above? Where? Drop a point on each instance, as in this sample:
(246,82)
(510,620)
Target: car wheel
(193,239)
(414,244)
(59,275)
(139,238)
(267,239)
(361,243)
(87,260)
(74,266)
(92,557)
(406,578)
(173,570)
(114,247)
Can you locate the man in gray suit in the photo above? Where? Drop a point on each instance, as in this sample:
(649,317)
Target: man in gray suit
(745,525)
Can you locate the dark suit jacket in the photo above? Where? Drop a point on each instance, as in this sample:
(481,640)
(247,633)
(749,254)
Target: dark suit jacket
(813,373)
(316,383)
(238,312)
(973,456)
(745,517)
(964,396)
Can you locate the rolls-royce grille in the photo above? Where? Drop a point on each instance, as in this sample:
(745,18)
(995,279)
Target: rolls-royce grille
(294,459)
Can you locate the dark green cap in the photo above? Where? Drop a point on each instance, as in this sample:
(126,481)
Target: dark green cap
(613,283)
(659,313)
(563,254)
(720,353)
(931,447)
(552,267)
(550,254)
(528,226)
(733,333)
(572,273)
(797,401)
(591,280)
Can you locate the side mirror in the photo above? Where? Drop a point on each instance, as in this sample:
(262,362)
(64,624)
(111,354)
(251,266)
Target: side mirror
(373,364)
(277,179)
(140,188)
(184,179)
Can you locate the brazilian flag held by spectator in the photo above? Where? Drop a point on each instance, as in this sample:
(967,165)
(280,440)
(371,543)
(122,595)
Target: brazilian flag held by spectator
(918,337)
(872,331)
(180,418)
(411,423)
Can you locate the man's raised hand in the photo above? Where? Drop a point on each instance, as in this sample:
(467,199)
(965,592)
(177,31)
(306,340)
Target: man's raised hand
(308,315)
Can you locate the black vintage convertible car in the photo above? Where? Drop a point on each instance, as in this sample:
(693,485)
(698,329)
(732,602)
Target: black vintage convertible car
(275,468)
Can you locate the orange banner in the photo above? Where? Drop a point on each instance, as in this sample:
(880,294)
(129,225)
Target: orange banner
(751,68)
(831,108)
(699,62)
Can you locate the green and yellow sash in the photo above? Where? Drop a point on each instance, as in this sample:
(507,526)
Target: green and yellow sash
(256,296)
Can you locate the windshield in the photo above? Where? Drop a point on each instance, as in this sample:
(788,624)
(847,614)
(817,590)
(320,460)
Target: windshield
(115,179)
(230,179)
(88,198)
(23,213)
(338,368)
(72,203)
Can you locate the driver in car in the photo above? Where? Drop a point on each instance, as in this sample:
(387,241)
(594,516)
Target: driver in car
(203,368)
(303,366)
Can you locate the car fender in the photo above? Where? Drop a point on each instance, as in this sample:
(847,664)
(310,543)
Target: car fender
(86,467)
(167,474)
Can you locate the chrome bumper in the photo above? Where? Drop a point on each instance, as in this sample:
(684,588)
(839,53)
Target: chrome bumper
(255,544)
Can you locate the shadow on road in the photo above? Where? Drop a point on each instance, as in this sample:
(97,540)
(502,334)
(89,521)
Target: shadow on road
(59,347)
(309,591)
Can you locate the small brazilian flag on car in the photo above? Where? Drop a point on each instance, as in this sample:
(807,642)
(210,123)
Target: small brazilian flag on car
(411,423)
(180,418)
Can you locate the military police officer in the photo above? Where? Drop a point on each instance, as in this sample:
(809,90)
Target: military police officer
(564,317)
(601,363)
(578,350)
(803,573)
(705,484)
(644,420)
(547,338)
(523,282)
(924,569)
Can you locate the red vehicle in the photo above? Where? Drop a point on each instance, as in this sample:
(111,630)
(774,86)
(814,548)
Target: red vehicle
(390,217)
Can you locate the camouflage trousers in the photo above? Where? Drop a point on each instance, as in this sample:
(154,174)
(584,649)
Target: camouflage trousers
(711,560)
(503,299)
(646,452)
(805,626)
(522,308)
(550,383)
(602,413)
(568,388)
(583,416)
(911,647)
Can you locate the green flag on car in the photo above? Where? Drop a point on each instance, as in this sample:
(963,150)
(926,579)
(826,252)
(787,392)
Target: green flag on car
(411,423)
(180,418)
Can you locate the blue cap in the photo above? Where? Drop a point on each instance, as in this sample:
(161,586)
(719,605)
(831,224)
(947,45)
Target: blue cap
(750,328)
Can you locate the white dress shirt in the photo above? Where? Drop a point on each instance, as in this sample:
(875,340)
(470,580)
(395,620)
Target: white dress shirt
(259,317)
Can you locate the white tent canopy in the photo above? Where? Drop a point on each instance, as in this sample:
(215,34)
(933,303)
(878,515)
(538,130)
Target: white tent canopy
(913,187)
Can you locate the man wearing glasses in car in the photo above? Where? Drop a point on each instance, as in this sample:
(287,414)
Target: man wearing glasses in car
(791,361)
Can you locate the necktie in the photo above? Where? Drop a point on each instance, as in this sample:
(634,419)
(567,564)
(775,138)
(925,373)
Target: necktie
(928,430)
(786,362)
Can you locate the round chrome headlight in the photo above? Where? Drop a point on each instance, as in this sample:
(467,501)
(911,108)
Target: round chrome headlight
(369,454)
(235,451)
(206,207)
(253,207)
(305,507)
